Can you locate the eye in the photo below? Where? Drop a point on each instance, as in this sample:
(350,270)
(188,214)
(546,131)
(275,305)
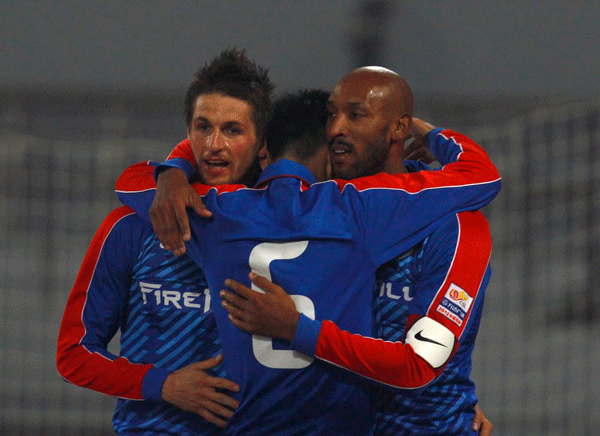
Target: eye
(353,115)
(202,127)
(233,130)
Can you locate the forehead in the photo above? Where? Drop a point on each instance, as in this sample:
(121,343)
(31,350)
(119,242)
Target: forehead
(360,91)
(219,108)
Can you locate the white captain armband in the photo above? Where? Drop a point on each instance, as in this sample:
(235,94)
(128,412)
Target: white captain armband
(432,341)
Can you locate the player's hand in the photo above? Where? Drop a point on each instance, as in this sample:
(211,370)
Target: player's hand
(418,150)
(419,129)
(272,313)
(481,423)
(192,389)
(168,211)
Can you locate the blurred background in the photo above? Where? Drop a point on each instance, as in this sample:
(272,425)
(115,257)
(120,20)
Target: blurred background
(87,88)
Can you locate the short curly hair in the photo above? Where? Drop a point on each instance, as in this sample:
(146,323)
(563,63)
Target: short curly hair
(234,75)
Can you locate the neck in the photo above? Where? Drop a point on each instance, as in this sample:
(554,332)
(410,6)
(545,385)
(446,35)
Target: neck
(394,164)
(317,164)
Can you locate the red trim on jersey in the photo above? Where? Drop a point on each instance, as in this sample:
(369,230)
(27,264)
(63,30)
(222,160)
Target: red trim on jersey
(77,364)
(471,258)
(183,150)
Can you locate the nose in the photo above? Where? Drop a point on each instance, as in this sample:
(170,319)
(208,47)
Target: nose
(216,141)
(336,126)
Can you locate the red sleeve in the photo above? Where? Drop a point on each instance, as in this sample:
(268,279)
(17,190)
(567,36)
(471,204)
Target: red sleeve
(391,363)
(102,282)
(397,364)
(183,150)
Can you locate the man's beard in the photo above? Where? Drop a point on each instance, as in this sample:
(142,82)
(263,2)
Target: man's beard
(369,164)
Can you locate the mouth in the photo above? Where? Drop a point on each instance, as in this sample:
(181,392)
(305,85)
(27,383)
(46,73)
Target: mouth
(339,148)
(216,163)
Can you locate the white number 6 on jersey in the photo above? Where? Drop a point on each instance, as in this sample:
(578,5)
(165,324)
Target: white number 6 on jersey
(260,258)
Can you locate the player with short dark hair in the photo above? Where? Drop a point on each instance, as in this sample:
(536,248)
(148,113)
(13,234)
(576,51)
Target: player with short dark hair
(234,75)
(168,375)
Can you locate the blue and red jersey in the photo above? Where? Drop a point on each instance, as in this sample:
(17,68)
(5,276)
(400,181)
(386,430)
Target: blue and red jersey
(443,278)
(323,243)
(161,305)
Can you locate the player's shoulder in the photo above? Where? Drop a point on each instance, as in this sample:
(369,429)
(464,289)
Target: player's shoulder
(122,214)
(472,221)
(469,227)
(121,220)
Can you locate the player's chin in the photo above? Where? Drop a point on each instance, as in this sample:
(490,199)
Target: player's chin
(216,176)
(345,172)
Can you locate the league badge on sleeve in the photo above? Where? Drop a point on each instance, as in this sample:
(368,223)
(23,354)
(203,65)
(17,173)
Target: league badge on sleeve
(455,304)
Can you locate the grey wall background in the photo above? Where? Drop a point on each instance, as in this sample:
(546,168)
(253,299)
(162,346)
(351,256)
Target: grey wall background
(458,48)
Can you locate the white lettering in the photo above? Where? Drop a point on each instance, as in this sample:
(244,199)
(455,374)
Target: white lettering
(147,288)
(176,299)
(188,300)
(386,289)
(206,300)
(406,291)
(172,297)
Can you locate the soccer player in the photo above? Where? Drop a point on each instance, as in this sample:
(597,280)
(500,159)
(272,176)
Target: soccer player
(169,375)
(429,299)
(306,234)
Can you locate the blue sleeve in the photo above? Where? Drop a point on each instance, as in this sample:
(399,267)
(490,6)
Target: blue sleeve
(306,336)
(179,163)
(395,212)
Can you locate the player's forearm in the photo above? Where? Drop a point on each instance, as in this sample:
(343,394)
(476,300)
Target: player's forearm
(118,377)
(460,154)
(181,157)
(393,364)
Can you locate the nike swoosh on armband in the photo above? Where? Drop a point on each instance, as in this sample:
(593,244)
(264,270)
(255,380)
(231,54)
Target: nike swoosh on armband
(420,337)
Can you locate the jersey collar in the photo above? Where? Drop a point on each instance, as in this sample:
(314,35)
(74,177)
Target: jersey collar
(285,168)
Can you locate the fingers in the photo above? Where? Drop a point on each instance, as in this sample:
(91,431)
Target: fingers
(216,411)
(183,225)
(196,203)
(232,302)
(212,418)
(208,363)
(240,323)
(239,289)
(265,284)
(233,305)
(420,128)
(481,423)
(164,222)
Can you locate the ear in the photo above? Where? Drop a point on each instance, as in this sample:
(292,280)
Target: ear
(264,157)
(401,128)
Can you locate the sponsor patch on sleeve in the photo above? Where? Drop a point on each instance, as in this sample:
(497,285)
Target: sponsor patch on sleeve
(455,304)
